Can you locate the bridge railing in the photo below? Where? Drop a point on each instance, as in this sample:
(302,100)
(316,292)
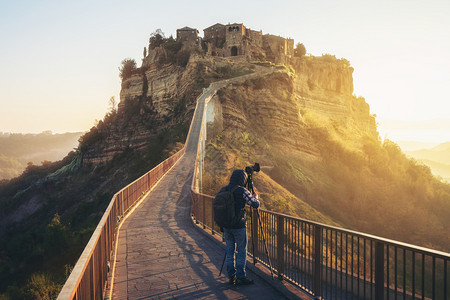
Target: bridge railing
(330,262)
(89,276)
(336,263)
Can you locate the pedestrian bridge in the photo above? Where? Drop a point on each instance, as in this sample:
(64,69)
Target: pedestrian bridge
(157,240)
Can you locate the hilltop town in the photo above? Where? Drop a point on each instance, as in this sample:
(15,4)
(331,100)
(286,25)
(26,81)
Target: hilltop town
(237,40)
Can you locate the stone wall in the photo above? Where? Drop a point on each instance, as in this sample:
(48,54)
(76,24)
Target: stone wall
(187,35)
(234,39)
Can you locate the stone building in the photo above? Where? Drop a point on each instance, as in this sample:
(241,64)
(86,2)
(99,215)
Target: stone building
(215,34)
(237,40)
(277,48)
(187,34)
(214,39)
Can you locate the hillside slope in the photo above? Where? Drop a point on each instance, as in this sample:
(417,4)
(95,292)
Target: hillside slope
(320,142)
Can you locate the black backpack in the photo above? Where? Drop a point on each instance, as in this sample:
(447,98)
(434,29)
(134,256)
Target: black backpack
(224,208)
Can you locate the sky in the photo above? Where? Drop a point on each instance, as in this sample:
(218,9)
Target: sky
(59,59)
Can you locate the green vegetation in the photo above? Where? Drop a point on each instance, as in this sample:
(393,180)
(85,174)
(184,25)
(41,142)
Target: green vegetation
(226,152)
(332,58)
(299,50)
(171,49)
(37,250)
(9,167)
(328,58)
(230,70)
(127,68)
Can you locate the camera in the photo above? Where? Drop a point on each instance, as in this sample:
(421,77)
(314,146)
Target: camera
(250,169)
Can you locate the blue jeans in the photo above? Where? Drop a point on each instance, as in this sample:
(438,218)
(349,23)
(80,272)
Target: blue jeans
(236,239)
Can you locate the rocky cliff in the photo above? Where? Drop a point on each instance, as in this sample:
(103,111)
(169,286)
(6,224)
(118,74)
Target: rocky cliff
(317,140)
(151,100)
(281,100)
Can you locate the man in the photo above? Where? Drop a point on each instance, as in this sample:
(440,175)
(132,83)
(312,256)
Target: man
(236,235)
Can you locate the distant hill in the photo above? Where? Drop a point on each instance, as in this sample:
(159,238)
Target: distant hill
(414,146)
(437,158)
(438,169)
(17,150)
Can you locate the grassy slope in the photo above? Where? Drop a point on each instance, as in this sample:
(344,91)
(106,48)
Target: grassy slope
(223,157)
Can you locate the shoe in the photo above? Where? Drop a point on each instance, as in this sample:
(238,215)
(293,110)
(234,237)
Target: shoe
(232,280)
(244,281)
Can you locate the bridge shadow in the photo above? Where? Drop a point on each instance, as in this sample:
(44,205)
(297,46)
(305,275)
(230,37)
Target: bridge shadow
(203,255)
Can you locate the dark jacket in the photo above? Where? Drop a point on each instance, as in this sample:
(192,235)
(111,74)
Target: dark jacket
(241,196)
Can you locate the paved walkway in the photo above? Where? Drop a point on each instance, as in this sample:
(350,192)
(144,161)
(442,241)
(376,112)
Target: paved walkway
(160,253)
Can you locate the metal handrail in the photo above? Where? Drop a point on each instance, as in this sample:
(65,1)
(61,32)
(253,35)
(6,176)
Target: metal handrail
(89,276)
(333,262)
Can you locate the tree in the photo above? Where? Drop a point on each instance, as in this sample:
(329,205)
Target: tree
(128,66)
(300,50)
(145,52)
(156,39)
(112,104)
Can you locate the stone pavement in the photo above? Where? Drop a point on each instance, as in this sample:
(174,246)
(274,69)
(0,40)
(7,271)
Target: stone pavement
(161,255)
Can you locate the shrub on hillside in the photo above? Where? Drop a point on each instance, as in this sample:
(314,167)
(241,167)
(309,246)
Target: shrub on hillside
(299,50)
(127,68)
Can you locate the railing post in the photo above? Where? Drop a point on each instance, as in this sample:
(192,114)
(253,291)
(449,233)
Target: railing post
(212,219)
(379,271)
(254,234)
(280,247)
(121,204)
(204,212)
(317,261)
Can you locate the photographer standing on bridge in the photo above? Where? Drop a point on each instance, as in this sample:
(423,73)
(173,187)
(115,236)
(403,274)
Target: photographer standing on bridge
(235,233)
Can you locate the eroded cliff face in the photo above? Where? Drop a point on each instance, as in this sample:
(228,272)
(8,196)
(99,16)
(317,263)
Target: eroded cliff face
(283,120)
(150,100)
(277,105)
(326,88)
(321,75)
(154,96)
(157,96)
